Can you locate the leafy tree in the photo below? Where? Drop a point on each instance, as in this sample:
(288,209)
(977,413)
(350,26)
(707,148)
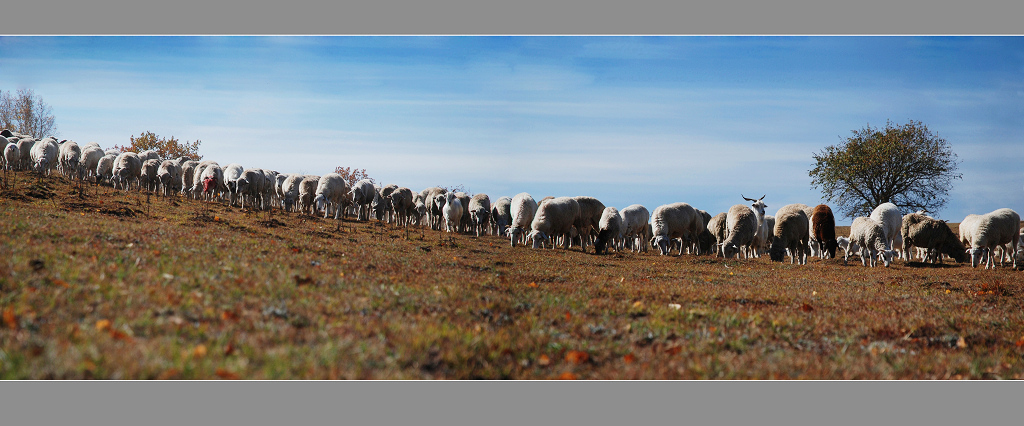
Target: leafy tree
(906,165)
(165,147)
(26,113)
(352,175)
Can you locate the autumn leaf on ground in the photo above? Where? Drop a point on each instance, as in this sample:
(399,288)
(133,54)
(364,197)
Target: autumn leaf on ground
(675,350)
(806,308)
(169,374)
(629,358)
(102,325)
(229,315)
(199,351)
(10,319)
(577,357)
(567,376)
(544,360)
(120,335)
(225,374)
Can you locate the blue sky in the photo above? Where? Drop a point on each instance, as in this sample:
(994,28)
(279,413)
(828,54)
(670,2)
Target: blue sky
(648,120)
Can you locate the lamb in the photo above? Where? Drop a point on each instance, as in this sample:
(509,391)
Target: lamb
(91,156)
(610,231)
(676,220)
(989,231)
(790,233)
(891,219)
(403,203)
(363,194)
(331,191)
(501,215)
(127,168)
(590,218)
(290,189)
(554,218)
(250,185)
(934,236)
(480,213)
(70,156)
(523,209)
(741,224)
(718,230)
(11,157)
(44,156)
(763,235)
(307,192)
(232,172)
(169,176)
(635,219)
(869,234)
(823,225)
(452,212)
(150,174)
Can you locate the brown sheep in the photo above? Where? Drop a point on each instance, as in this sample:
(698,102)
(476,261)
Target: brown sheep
(823,224)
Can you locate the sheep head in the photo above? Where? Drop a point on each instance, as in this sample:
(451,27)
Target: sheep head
(730,250)
(538,237)
(663,243)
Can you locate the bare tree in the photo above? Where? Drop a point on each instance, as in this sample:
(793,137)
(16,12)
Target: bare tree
(26,113)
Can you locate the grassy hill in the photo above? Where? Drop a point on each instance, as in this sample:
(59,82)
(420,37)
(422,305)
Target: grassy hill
(118,285)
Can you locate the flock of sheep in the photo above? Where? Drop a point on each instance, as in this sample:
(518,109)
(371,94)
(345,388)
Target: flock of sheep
(797,230)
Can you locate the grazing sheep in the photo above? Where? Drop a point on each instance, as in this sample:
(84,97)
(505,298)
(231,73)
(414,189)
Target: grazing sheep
(705,241)
(290,188)
(501,215)
(891,219)
(869,234)
(590,218)
(188,173)
(990,231)
(11,157)
(232,172)
(741,225)
(791,233)
(464,221)
(197,177)
(150,174)
(127,168)
(554,218)
(91,156)
(25,146)
(676,220)
(934,236)
(452,212)
(70,156)
(610,231)
(44,156)
(480,213)
(211,181)
(433,199)
(307,192)
(105,168)
(403,203)
(169,176)
(718,230)
(848,247)
(635,220)
(523,209)
(763,234)
(279,188)
(331,191)
(363,194)
(823,225)
(250,186)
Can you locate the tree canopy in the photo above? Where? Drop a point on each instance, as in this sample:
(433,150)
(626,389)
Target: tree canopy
(906,165)
(26,113)
(351,175)
(167,148)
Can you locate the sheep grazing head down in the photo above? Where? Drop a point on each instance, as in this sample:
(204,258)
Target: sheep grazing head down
(663,243)
(601,242)
(730,250)
(208,184)
(538,237)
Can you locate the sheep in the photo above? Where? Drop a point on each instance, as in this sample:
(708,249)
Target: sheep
(676,220)
(763,235)
(269,189)
(934,236)
(791,233)
(279,189)
(232,172)
(718,230)
(188,170)
(433,199)
(211,181)
(555,218)
(91,156)
(635,219)
(990,230)
(741,224)
(25,146)
(869,234)
(591,211)
(91,144)
(610,231)
(112,151)
(891,219)
(823,225)
(290,189)
(307,192)
(148,154)
(522,210)
(769,223)
(127,168)
(847,246)
(250,185)
(452,212)
(363,194)
(11,157)
(197,177)
(150,174)
(705,241)
(403,203)
(44,156)
(105,168)
(480,213)
(330,192)
(69,158)
(501,215)
(168,176)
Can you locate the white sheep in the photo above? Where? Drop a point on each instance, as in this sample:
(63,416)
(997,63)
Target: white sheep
(279,189)
(148,154)
(635,220)
(934,236)
(331,191)
(501,215)
(150,174)
(848,247)
(25,146)
(741,225)
(869,234)
(91,156)
(452,212)
(610,231)
(127,169)
(168,176)
(480,213)
(307,192)
(717,227)
(363,193)
(891,219)
(290,189)
(69,158)
(989,231)
(211,182)
(44,156)
(676,220)
(555,218)
(590,218)
(791,233)
(523,209)
(232,172)
(11,157)
(188,170)
(251,186)
(197,177)
(105,168)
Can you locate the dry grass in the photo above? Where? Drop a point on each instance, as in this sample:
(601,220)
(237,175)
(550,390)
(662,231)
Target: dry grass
(114,287)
